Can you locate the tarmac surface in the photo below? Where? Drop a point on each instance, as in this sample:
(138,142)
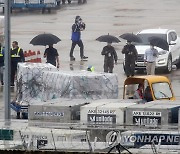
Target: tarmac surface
(101,17)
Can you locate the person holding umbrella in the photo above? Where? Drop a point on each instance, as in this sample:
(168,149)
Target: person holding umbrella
(77,27)
(130,57)
(150,59)
(52,56)
(110,56)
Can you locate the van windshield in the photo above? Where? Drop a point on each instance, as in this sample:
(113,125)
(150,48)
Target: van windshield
(162,90)
(145,38)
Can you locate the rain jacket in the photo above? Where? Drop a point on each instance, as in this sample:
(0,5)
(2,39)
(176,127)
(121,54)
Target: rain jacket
(76,32)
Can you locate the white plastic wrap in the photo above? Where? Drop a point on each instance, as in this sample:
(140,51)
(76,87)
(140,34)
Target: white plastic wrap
(79,85)
(29,80)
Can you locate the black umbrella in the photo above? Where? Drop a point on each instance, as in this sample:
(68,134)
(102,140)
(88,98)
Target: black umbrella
(159,42)
(45,39)
(131,37)
(108,38)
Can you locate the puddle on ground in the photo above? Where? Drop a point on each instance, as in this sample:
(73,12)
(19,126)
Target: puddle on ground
(129,16)
(125,24)
(131,10)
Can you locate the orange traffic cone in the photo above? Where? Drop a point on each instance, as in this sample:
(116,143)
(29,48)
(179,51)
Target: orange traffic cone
(25,55)
(39,57)
(28,56)
(34,59)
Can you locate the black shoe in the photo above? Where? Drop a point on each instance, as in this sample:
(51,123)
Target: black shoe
(72,59)
(2,83)
(12,84)
(84,58)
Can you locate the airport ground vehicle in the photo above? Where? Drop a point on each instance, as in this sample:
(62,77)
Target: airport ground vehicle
(166,58)
(160,86)
(32,4)
(69,1)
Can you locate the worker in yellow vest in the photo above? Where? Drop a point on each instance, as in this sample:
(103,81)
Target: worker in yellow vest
(17,56)
(1,64)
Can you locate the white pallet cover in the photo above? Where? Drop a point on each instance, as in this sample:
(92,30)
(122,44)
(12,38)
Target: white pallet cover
(80,85)
(29,80)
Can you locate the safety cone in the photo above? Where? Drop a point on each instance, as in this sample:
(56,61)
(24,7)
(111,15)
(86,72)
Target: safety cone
(39,57)
(28,55)
(25,55)
(34,59)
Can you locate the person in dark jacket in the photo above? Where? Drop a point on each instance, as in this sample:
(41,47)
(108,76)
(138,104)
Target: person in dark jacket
(110,56)
(77,27)
(17,56)
(1,64)
(52,56)
(130,57)
(147,94)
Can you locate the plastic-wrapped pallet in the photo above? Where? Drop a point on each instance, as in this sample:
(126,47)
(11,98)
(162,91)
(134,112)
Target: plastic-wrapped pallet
(56,110)
(29,80)
(80,85)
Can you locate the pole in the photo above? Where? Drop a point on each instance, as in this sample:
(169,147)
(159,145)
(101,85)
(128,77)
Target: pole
(7,92)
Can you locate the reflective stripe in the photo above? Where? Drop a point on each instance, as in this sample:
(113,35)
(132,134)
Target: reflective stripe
(1,55)
(16,55)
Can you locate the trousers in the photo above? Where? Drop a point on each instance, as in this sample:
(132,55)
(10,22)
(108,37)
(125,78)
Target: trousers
(80,44)
(150,68)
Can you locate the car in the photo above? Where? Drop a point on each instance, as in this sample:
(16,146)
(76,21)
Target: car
(166,58)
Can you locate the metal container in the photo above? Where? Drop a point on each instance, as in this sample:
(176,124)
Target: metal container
(57,110)
(106,111)
(153,113)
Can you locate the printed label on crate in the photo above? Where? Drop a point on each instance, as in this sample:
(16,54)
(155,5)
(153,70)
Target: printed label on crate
(101,118)
(146,118)
(101,111)
(49,114)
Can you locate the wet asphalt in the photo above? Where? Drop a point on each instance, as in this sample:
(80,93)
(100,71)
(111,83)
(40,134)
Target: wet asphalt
(101,17)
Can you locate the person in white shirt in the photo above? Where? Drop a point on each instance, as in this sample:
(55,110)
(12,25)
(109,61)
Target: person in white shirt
(150,59)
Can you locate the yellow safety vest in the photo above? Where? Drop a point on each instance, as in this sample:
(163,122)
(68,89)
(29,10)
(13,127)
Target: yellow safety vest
(1,55)
(16,55)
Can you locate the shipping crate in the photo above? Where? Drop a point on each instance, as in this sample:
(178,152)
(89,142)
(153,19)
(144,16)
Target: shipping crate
(57,110)
(106,111)
(153,113)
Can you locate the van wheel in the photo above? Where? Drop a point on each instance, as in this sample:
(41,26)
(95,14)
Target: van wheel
(169,65)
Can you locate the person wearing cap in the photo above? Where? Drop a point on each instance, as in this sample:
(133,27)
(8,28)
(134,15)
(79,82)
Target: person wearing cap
(150,59)
(130,58)
(77,27)
(110,56)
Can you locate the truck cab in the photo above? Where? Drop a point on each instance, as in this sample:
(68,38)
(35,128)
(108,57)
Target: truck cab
(160,87)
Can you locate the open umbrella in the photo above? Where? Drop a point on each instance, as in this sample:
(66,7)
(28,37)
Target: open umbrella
(45,39)
(159,42)
(108,38)
(131,37)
